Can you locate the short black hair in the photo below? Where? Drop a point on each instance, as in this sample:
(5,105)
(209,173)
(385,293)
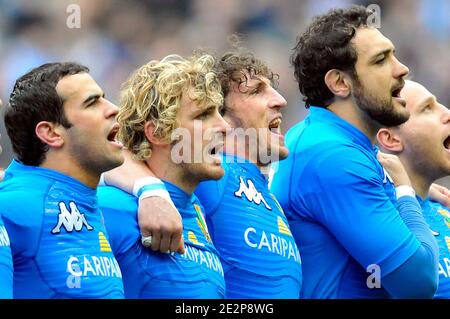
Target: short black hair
(35,99)
(326,45)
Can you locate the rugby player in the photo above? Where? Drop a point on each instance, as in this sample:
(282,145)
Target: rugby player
(62,131)
(169,109)
(422,144)
(359,237)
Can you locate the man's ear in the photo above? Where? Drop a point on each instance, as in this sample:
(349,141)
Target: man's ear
(389,141)
(149,130)
(50,134)
(338,82)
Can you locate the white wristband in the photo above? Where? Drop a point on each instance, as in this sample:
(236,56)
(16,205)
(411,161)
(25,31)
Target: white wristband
(405,190)
(146,181)
(149,187)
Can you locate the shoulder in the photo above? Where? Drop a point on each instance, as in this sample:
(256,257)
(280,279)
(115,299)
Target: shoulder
(21,199)
(110,197)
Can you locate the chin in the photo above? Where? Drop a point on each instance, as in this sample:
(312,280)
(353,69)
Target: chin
(214,173)
(118,158)
(284,153)
(281,154)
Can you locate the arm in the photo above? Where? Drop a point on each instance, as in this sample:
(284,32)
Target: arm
(439,194)
(157,217)
(406,281)
(350,201)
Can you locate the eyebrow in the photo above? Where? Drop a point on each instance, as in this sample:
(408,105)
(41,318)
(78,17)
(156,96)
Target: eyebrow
(427,100)
(258,85)
(93,97)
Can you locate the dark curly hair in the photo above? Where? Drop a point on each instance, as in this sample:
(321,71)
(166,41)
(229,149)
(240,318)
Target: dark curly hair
(239,66)
(34,99)
(326,45)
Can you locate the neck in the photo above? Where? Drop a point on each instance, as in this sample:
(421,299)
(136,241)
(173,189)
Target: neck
(69,167)
(161,164)
(242,149)
(348,111)
(419,181)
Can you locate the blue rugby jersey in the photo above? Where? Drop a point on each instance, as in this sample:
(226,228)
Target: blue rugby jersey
(59,242)
(249,229)
(339,204)
(438,218)
(148,274)
(6,267)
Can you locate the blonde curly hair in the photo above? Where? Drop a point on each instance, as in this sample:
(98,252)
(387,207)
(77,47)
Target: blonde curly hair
(154,92)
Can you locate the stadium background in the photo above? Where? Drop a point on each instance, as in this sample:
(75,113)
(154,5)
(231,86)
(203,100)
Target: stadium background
(118,36)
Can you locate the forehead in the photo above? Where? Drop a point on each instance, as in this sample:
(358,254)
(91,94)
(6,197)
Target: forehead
(253,79)
(415,95)
(369,42)
(77,86)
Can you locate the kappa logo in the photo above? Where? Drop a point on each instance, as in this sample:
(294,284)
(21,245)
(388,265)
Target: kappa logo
(250,193)
(71,220)
(4,239)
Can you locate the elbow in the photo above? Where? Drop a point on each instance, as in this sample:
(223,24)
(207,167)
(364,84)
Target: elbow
(426,289)
(423,286)
(430,286)
(418,278)
(419,288)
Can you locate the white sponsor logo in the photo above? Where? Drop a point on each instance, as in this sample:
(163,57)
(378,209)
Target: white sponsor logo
(445,271)
(71,220)
(272,243)
(94,266)
(250,192)
(203,258)
(4,239)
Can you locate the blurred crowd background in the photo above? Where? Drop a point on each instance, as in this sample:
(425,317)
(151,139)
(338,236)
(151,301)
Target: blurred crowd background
(117,36)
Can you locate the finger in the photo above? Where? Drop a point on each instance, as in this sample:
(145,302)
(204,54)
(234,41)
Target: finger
(156,241)
(381,157)
(165,242)
(146,241)
(145,232)
(176,242)
(444,190)
(181,248)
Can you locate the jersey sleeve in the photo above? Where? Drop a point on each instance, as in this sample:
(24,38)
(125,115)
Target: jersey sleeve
(119,211)
(23,221)
(6,267)
(347,196)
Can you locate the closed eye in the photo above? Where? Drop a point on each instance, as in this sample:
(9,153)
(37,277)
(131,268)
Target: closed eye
(93,102)
(92,99)
(426,108)
(380,61)
(205,113)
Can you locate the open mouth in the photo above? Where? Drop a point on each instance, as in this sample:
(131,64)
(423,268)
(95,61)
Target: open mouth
(447,143)
(395,93)
(112,135)
(216,150)
(275,126)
